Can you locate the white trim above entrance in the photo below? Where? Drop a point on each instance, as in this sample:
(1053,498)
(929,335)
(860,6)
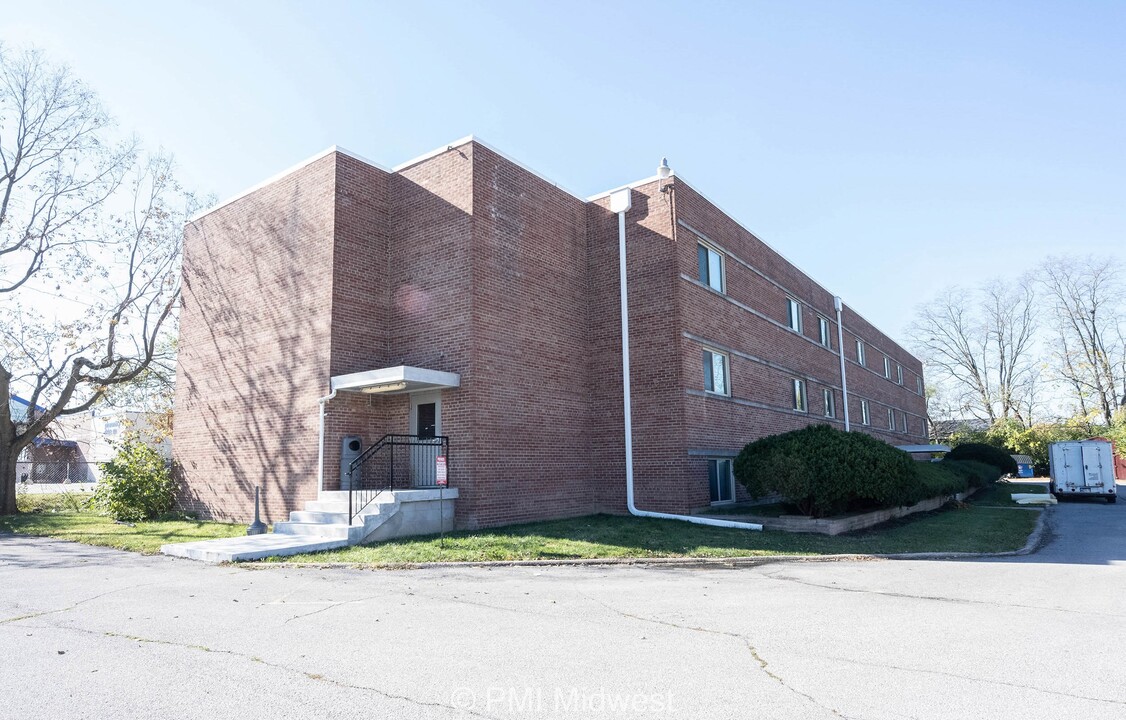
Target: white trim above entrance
(395,380)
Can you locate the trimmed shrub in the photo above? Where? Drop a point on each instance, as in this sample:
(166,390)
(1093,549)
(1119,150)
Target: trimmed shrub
(976,474)
(136,485)
(824,471)
(982,453)
(939,478)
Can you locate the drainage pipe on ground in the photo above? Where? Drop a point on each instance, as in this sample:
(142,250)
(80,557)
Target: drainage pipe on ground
(321,444)
(620,203)
(839,307)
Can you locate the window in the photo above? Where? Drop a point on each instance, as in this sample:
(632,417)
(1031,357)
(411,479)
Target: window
(865,413)
(720,481)
(887,368)
(823,332)
(830,403)
(800,400)
(891,419)
(905,422)
(710,264)
(860,352)
(899,374)
(715,373)
(919,384)
(793,314)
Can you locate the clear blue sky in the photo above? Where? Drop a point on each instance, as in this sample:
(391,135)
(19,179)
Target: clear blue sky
(889,149)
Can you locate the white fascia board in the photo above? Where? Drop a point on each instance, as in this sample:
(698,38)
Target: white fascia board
(474,139)
(431,379)
(288,171)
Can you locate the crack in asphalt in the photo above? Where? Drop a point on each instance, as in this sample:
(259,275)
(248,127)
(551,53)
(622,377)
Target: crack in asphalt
(975,679)
(936,598)
(74,605)
(315,677)
(764,666)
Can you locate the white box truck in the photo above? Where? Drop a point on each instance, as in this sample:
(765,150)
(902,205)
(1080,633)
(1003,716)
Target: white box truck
(1083,467)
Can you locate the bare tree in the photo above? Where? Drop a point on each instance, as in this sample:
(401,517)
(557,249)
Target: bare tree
(1087,297)
(77,212)
(979,346)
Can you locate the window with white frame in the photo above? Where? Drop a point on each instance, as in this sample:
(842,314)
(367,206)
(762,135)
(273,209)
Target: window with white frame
(710,263)
(905,426)
(801,402)
(793,314)
(721,481)
(716,378)
(919,384)
(823,332)
(899,374)
(860,354)
(887,367)
(830,402)
(865,413)
(891,419)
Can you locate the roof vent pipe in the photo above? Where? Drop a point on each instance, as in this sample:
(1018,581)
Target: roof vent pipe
(620,203)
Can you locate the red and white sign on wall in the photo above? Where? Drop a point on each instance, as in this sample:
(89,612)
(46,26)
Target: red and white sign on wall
(440,475)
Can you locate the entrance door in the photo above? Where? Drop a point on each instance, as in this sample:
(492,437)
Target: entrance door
(426,422)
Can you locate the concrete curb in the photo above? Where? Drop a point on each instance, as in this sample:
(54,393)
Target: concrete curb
(1035,539)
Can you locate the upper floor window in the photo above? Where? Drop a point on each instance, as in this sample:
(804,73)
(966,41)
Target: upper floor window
(710,263)
(891,419)
(865,413)
(793,314)
(801,402)
(899,374)
(715,373)
(919,384)
(830,403)
(823,332)
(905,425)
(887,367)
(860,355)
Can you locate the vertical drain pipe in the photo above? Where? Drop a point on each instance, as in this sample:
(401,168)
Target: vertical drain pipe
(620,203)
(839,306)
(321,444)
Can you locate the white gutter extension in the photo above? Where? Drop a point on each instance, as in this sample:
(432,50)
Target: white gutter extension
(321,444)
(620,203)
(839,306)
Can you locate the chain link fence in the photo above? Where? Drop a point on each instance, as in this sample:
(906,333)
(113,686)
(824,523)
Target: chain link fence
(55,472)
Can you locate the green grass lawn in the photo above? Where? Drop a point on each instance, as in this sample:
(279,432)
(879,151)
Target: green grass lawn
(973,529)
(65,516)
(1000,494)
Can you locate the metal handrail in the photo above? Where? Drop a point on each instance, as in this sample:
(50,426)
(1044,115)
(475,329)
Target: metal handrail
(360,497)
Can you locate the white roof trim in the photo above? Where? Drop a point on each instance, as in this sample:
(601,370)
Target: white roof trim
(288,171)
(413,378)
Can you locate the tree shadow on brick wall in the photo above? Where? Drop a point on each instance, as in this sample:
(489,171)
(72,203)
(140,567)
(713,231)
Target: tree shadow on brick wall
(254,352)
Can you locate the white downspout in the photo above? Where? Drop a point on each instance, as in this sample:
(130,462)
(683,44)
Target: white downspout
(620,203)
(838,306)
(321,445)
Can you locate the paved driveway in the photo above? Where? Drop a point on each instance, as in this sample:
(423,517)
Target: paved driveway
(94,633)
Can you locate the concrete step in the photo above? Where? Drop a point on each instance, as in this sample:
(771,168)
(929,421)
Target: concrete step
(336,530)
(319,516)
(329,506)
(252,547)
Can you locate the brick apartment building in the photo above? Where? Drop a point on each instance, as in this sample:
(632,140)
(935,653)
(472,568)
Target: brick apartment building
(461,294)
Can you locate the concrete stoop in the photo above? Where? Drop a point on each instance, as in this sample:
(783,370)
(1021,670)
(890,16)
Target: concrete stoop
(323,525)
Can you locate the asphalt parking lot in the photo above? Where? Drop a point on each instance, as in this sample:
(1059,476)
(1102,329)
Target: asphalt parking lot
(94,633)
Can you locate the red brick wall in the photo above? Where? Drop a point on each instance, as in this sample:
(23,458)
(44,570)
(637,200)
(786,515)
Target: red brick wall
(255,330)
